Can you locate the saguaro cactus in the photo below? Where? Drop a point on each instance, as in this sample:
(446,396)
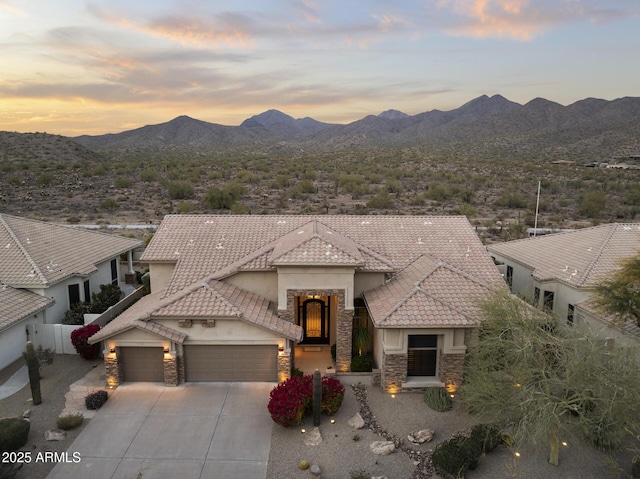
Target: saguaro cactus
(34,373)
(317,397)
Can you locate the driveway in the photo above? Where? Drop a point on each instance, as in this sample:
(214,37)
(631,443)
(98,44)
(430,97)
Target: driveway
(193,431)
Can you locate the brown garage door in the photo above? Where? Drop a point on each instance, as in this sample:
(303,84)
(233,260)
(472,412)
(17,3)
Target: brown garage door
(231,363)
(142,364)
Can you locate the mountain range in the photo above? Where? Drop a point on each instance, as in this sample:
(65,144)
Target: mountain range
(481,126)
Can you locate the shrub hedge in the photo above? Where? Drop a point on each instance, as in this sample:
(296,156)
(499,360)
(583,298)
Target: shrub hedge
(96,399)
(14,432)
(70,421)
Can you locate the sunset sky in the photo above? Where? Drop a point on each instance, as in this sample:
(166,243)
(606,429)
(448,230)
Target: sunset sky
(73,67)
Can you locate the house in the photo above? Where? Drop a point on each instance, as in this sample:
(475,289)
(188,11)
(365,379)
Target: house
(558,272)
(44,269)
(237,298)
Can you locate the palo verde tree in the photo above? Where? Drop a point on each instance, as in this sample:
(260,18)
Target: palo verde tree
(620,293)
(543,378)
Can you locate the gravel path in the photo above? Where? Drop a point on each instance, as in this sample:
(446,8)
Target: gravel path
(54,384)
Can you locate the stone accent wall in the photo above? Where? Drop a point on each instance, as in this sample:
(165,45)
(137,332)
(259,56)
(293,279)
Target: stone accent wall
(450,370)
(171,376)
(113,370)
(342,322)
(393,371)
(181,371)
(284,366)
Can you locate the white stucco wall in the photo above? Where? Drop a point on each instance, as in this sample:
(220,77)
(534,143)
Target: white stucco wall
(160,274)
(366,281)
(315,278)
(264,284)
(603,330)
(395,341)
(14,339)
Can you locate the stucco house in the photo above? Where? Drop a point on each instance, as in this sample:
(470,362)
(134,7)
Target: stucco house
(44,268)
(558,273)
(238,298)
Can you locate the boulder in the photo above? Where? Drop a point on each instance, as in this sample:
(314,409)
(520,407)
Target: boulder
(313,438)
(425,435)
(55,435)
(315,471)
(356,421)
(382,448)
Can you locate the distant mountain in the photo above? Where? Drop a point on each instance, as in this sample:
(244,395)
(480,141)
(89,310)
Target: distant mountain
(484,125)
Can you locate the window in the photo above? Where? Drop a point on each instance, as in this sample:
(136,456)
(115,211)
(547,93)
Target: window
(510,276)
(74,294)
(114,271)
(536,296)
(87,291)
(422,355)
(570,313)
(547,301)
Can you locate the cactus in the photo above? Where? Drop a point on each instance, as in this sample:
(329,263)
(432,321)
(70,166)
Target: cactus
(317,397)
(34,373)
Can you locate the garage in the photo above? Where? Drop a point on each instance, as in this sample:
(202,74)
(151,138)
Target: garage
(231,363)
(142,364)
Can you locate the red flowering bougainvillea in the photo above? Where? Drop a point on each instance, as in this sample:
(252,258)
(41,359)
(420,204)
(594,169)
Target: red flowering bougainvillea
(292,398)
(80,341)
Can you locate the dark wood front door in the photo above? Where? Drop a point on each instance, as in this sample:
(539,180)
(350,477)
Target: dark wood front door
(314,320)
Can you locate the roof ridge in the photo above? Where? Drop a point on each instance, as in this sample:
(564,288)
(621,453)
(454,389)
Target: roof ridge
(587,271)
(32,262)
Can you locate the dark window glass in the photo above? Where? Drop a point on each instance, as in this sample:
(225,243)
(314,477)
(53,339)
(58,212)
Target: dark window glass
(74,294)
(547,301)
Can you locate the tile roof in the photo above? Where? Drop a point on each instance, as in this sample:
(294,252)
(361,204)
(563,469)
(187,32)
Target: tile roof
(428,293)
(216,246)
(38,254)
(203,300)
(19,304)
(580,258)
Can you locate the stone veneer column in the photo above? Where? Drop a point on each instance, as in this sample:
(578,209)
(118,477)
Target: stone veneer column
(181,372)
(393,371)
(450,370)
(113,370)
(284,366)
(170,370)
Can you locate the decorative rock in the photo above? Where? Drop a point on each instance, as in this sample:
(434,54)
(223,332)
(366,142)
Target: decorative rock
(315,471)
(314,438)
(26,414)
(356,421)
(425,435)
(382,448)
(55,435)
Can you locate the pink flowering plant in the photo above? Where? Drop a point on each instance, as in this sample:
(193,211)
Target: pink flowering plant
(290,400)
(80,341)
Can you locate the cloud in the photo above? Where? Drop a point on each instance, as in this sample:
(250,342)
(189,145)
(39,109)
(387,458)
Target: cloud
(307,10)
(8,6)
(518,19)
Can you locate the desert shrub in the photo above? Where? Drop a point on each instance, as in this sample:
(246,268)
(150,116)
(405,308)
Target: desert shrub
(296,372)
(291,399)
(108,296)
(148,174)
(179,190)
(185,207)
(45,356)
(488,436)
(123,182)
(80,341)
(511,200)
(75,315)
(381,201)
(454,457)
(108,204)
(70,421)
(437,399)
(361,364)
(96,399)
(14,432)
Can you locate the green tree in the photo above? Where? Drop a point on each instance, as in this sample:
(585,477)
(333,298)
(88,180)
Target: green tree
(620,293)
(527,371)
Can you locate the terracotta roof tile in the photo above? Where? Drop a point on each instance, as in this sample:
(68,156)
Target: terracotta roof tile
(38,254)
(580,258)
(19,304)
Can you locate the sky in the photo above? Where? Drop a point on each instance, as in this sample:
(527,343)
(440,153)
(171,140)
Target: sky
(75,67)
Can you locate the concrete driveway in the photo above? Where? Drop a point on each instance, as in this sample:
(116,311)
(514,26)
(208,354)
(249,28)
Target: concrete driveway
(193,431)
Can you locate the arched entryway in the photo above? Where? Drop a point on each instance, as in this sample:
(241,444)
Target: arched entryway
(314,316)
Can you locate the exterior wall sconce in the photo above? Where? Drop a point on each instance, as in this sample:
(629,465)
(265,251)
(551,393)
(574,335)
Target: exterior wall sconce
(112,350)
(165,350)
(281,349)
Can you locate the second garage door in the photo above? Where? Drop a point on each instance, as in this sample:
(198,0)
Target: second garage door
(142,364)
(231,363)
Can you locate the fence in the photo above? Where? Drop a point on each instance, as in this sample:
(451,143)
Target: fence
(57,337)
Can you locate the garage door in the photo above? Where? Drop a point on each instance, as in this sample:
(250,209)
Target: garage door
(142,364)
(231,363)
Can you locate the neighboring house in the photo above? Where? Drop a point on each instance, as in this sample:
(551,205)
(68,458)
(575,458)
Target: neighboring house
(558,273)
(44,268)
(232,297)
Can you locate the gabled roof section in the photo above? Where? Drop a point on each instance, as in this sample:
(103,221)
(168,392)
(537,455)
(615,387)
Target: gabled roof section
(208,299)
(427,294)
(19,304)
(581,258)
(217,246)
(315,244)
(38,254)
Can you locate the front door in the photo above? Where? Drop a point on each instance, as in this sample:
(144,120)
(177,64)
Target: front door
(314,320)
